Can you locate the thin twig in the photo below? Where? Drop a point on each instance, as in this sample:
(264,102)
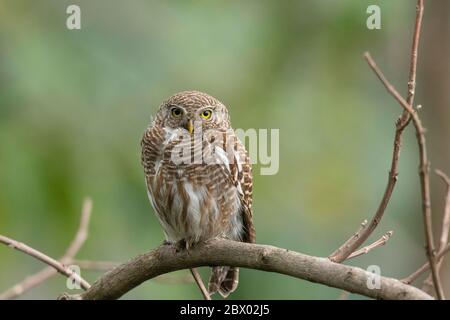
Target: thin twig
(380,242)
(446,217)
(414,50)
(200,284)
(28,283)
(82,233)
(350,246)
(413,276)
(390,88)
(46,273)
(427,285)
(13,244)
(335,256)
(423,173)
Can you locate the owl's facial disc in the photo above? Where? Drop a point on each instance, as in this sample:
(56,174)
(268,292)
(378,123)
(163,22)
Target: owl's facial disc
(197,119)
(194,117)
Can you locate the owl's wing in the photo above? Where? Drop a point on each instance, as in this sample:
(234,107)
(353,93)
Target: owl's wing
(152,145)
(241,177)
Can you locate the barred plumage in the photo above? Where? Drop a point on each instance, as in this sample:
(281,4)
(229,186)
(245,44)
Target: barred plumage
(198,177)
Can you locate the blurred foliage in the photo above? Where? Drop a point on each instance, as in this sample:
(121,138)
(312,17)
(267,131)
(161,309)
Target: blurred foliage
(74,104)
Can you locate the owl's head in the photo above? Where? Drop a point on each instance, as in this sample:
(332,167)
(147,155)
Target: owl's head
(193,108)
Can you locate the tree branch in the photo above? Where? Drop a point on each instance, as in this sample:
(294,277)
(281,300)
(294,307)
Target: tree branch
(164,259)
(48,272)
(446,217)
(428,283)
(44,258)
(423,173)
(425,267)
(200,284)
(354,243)
(82,233)
(380,242)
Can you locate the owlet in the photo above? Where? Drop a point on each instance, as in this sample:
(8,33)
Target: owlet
(198,176)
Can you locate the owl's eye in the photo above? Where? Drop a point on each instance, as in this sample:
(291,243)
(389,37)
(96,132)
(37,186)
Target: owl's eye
(206,114)
(176,112)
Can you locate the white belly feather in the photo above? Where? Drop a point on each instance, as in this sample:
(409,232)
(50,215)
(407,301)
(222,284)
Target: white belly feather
(200,225)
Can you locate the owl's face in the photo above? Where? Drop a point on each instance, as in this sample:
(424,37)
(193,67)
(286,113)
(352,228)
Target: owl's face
(188,110)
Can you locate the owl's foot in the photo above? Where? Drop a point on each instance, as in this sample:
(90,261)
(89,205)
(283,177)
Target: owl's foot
(176,246)
(182,245)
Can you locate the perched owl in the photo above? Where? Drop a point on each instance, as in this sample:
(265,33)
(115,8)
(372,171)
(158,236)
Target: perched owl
(198,176)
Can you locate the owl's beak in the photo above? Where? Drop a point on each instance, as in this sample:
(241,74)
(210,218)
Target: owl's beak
(189,125)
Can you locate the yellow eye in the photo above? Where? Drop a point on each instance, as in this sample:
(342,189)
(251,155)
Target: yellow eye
(176,112)
(206,114)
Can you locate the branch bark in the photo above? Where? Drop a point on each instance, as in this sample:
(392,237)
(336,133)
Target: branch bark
(165,259)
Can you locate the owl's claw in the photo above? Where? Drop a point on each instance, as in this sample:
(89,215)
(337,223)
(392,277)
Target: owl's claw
(180,245)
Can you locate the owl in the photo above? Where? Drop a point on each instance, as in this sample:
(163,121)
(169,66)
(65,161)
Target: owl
(198,177)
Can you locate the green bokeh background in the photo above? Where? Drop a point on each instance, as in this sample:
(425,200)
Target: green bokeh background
(74,104)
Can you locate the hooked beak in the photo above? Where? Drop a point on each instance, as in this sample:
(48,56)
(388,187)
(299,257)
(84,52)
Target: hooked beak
(189,126)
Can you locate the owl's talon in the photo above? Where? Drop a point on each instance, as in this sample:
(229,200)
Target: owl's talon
(179,246)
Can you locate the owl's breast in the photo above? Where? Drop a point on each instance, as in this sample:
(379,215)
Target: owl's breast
(195,202)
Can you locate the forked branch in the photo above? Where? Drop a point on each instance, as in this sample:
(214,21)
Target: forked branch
(345,250)
(423,173)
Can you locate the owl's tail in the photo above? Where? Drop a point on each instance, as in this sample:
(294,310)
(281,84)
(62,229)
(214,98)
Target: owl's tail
(223,280)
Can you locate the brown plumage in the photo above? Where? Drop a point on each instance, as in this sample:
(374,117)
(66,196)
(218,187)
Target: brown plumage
(198,177)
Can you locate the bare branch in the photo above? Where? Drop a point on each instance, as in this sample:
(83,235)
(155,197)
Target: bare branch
(428,283)
(423,173)
(48,272)
(45,259)
(28,283)
(390,88)
(350,246)
(162,260)
(446,217)
(414,50)
(343,249)
(201,285)
(82,232)
(380,242)
(425,267)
